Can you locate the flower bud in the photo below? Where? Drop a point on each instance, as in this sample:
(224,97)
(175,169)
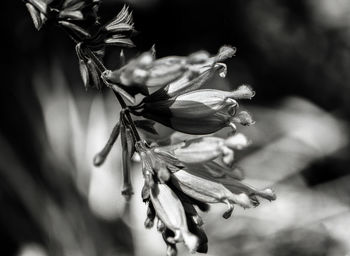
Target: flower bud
(196,150)
(169,209)
(205,190)
(102,155)
(144,70)
(199,69)
(194,104)
(230,182)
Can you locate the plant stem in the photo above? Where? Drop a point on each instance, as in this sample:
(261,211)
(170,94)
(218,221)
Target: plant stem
(102,68)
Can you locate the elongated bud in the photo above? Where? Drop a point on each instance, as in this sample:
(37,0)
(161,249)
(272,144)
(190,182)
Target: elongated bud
(229,181)
(208,191)
(199,68)
(237,186)
(198,150)
(190,81)
(84,72)
(127,144)
(144,70)
(169,209)
(102,155)
(195,104)
(94,74)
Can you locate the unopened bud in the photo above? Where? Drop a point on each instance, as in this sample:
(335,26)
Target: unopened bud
(170,210)
(208,191)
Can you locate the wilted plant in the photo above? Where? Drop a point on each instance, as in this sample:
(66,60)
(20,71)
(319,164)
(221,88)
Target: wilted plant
(179,178)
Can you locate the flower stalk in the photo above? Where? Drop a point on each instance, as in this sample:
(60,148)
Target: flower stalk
(177,177)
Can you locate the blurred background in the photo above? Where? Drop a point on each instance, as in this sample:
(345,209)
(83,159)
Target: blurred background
(295,54)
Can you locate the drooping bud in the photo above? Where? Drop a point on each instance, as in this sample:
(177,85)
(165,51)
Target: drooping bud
(236,186)
(169,209)
(102,155)
(194,104)
(212,170)
(127,151)
(204,149)
(145,71)
(194,151)
(209,191)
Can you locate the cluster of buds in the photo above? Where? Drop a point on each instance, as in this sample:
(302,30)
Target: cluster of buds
(182,179)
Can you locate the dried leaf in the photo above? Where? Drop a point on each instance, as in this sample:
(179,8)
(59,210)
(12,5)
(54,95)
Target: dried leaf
(122,20)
